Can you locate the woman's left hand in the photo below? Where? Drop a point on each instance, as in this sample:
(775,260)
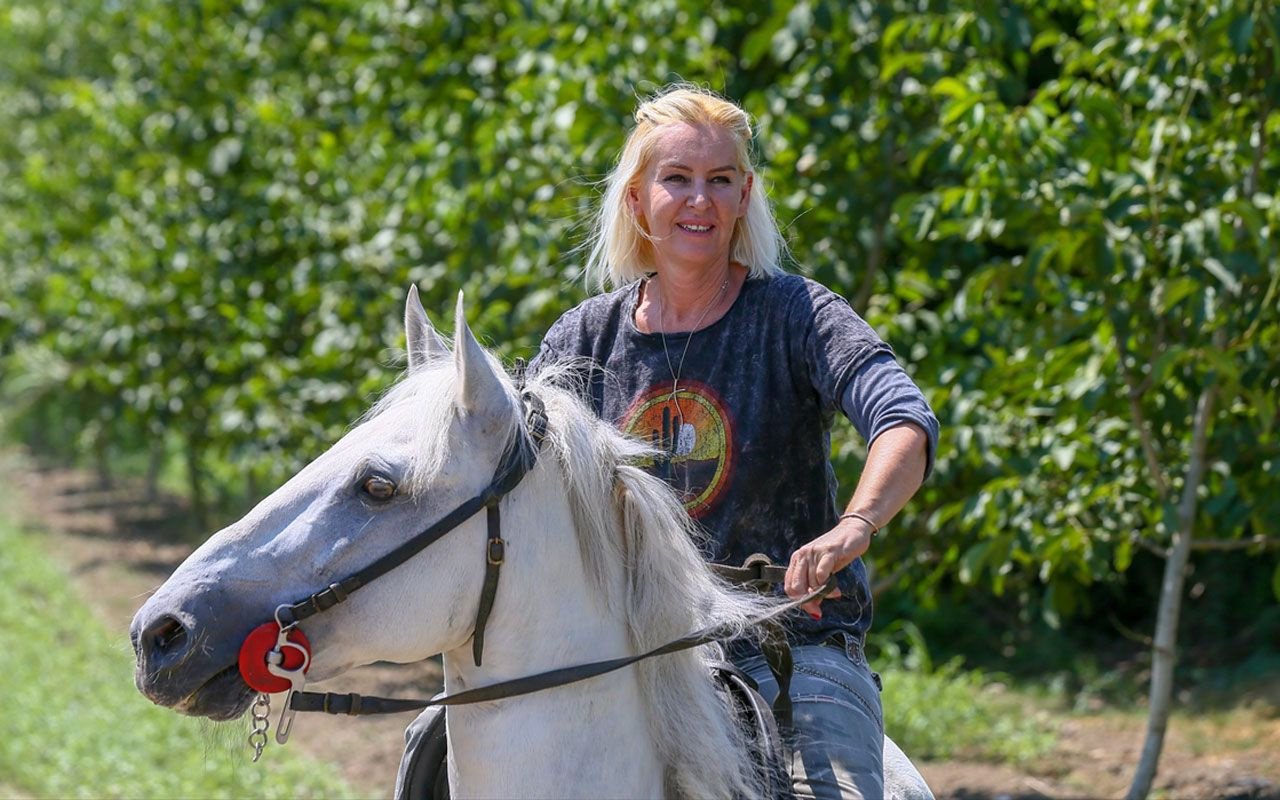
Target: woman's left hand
(818,560)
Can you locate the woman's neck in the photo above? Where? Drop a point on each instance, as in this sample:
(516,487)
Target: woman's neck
(677,300)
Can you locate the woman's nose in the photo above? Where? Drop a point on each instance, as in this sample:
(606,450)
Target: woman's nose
(698,197)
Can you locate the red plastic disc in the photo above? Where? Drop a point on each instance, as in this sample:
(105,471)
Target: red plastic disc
(253,657)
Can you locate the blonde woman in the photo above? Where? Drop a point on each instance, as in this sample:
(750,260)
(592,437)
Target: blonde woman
(734,370)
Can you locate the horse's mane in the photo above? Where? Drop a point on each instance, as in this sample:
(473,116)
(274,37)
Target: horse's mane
(640,547)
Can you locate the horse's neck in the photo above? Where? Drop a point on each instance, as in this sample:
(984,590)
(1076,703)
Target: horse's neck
(590,739)
(587,740)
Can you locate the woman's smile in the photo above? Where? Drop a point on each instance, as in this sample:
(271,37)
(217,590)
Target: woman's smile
(695,228)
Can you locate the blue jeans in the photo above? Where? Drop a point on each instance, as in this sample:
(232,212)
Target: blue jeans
(837,733)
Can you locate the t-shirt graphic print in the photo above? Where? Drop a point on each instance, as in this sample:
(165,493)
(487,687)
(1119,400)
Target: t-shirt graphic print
(693,431)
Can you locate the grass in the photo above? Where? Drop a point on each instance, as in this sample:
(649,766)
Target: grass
(947,712)
(1223,732)
(74,726)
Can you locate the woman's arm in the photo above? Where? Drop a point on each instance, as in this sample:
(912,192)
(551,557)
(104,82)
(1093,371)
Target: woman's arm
(894,470)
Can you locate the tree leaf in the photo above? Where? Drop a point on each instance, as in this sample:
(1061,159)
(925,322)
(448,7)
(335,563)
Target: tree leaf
(1241,33)
(950,87)
(1219,271)
(971,561)
(1123,555)
(1045,39)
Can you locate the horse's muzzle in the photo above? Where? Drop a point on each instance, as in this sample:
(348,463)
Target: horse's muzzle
(176,667)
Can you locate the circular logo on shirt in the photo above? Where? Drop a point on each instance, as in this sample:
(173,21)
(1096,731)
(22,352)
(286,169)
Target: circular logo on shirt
(692,429)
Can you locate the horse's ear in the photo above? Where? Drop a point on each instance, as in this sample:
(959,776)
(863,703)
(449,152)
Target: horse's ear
(423,343)
(480,390)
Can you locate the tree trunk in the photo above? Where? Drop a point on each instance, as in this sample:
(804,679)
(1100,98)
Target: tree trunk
(875,260)
(1164,650)
(102,459)
(195,483)
(155,464)
(884,209)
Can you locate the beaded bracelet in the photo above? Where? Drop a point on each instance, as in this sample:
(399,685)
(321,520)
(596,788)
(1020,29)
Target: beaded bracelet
(855,515)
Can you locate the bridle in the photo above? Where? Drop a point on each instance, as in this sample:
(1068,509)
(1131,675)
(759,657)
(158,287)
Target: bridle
(517,461)
(520,456)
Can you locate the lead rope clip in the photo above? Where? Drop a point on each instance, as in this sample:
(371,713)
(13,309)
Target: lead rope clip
(296,677)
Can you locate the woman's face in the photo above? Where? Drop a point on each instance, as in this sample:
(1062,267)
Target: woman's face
(691,194)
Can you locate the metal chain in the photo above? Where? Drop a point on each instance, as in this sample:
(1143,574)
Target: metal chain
(261,721)
(675,371)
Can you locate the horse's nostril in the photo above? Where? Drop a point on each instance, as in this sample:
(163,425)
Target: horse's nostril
(165,635)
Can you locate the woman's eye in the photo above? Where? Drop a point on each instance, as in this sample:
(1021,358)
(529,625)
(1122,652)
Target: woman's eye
(721,179)
(674,179)
(378,488)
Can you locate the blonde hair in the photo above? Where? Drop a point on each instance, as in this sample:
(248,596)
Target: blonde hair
(618,250)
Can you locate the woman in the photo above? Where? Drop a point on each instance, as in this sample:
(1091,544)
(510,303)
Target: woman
(734,370)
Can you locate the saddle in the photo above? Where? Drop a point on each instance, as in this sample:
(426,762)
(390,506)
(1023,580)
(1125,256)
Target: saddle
(424,776)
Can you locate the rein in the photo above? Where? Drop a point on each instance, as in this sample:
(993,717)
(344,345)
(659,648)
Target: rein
(291,646)
(358,705)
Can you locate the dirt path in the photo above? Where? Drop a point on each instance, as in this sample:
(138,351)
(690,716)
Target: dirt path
(1236,757)
(119,548)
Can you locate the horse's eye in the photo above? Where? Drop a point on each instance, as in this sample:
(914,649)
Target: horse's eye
(378,487)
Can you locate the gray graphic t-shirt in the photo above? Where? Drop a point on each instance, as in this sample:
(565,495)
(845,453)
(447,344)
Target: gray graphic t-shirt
(745,439)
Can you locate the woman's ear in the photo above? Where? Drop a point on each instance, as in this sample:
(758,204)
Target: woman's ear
(633,201)
(746,194)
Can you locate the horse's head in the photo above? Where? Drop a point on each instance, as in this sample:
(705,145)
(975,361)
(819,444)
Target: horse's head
(433,442)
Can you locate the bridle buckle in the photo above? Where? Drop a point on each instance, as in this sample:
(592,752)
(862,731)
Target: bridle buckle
(496,552)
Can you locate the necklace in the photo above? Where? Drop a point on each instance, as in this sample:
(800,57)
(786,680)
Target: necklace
(676,370)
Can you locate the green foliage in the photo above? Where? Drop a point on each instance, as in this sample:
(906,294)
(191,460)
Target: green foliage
(86,733)
(1123,212)
(945,711)
(1059,213)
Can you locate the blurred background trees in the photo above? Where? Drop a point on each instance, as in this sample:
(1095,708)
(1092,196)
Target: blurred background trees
(1061,214)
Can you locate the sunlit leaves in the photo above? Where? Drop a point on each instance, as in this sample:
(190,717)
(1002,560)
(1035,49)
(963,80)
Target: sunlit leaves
(211,213)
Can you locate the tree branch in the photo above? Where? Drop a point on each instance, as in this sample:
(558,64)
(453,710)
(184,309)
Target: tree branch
(1157,347)
(1134,394)
(1149,546)
(1259,151)
(875,258)
(1249,543)
(887,582)
(1250,189)
(1235,544)
(891,155)
(1128,632)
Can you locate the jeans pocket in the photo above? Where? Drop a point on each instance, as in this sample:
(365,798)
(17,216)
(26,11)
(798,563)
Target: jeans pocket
(825,675)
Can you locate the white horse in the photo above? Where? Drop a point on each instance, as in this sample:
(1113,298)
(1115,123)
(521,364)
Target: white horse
(600,562)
